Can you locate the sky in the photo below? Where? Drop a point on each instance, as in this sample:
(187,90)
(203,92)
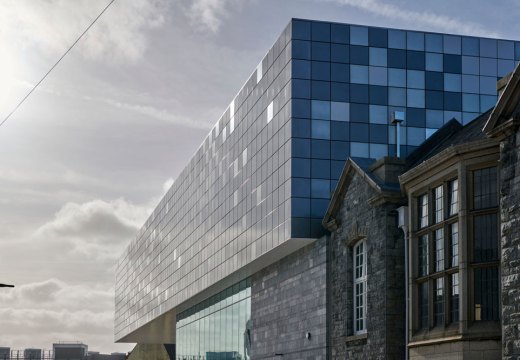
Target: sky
(88,156)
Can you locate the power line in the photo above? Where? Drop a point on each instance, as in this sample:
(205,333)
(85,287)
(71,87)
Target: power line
(56,64)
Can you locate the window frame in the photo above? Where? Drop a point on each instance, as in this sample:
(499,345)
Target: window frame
(359,280)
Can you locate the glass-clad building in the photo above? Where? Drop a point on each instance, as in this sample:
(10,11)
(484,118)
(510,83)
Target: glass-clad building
(259,184)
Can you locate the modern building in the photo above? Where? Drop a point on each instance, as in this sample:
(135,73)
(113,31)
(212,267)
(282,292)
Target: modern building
(69,351)
(236,263)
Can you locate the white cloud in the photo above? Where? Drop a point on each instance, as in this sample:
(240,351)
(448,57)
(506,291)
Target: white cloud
(96,229)
(53,25)
(209,14)
(442,23)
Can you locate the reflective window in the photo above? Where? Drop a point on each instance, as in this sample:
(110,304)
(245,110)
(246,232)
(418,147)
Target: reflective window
(415,79)
(434,80)
(452,82)
(454,301)
(470,102)
(359,149)
(415,136)
(396,39)
(415,40)
(423,255)
(320,149)
(434,62)
(415,117)
(340,111)
(378,114)
(452,44)
(301,108)
(470,65)
(339,92)
(320,109)
(439,302)
(378,37)
(358,35)
(320,129)
(396,96)
(320,188)
(434,119)
(301,148)
(397,77)
(378,151)
(359,93)
(359,132)
(470,46)
(359,55)
(320,51)
(301,29)
(488,48)
(378,134)
(415,60)
(339,53)
(360,287)
(415,98)
(434,43)
(453,63)
(378,56)
(339,150)
(470,84)
(339,33)
(339,72)
(506,49)
(378,76)
(359,74)
(320,70)
(505,67)
(487,102)
(301,88)
(488,85)
(301,49)
(452,101)
(320,31)
(396,58)
(301,69)
(339,131)
(378,95)
(454,244)
(488,67)
(434,99)
(320,90)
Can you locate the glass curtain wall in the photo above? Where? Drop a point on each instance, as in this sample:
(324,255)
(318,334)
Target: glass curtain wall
(217,328)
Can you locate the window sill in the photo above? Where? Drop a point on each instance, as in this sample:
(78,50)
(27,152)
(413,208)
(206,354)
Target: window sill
(352,338)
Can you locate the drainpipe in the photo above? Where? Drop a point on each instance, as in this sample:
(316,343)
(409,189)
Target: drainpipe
(403,225)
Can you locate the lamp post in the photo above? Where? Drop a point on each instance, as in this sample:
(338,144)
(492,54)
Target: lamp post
(397,118)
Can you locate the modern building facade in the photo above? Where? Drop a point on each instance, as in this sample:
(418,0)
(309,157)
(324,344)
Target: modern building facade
(234,263)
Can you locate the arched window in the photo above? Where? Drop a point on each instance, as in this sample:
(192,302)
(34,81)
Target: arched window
(360,287)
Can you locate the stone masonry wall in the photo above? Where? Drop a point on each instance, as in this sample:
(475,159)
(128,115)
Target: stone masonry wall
(385,279)
(510,241)
(288,300)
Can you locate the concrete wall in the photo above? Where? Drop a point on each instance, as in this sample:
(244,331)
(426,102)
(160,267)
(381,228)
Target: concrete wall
(510,242)
(288,300)
(385,278)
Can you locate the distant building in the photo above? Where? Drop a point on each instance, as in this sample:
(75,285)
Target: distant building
(32,354)
(70,351)
(5,353)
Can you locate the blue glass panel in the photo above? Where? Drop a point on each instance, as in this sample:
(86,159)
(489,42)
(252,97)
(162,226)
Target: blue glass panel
(359,149)
(505,67)
(320,51)
(359,132)
(377,56)
(339,150)
(339,130)
(340,33)
(300,207)
(470,46)
(300,187)
(358,35)
(452,63)
(470,65)
(452,44)
(517,50)
(301,29)
(359,93)
(359,113)
(415,60)
(452,82)
(396,77)
(378,134)
(488,48)
(415,98)
(415,136)
(449,115)
(300,228)
(434,80)
(434,119)
(320,109)
(378,151)
(396,59)
(301,168)
(320,188)
(336,167)
(378,95)
(301,108)
(487,102)
(470,84)
(415,79)
(320,129)
(320,169)
(339,92)
(320,90)
(320,31)
(319,207)
(301,69)
(506,49)
(301,128)
(434,43)
(301,88)
(415,40)
(359,74)
(301,148)
(468,117)
(301,49)
(452,101)
(339,53)
(470,102)
(415,117)
(340,111)
(359,55)
(378,76)
(488,85)
(396,39)
(434,100)
(434,62)
(320,149)
(320,70)
(396,96)
(378,37)
(488,67)
(378,114)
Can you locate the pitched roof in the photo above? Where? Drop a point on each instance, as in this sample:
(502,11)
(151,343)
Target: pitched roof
(506,114)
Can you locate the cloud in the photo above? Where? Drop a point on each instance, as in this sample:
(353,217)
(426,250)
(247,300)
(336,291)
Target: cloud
(429,19)
(53,25)
(209,14)
(95,229)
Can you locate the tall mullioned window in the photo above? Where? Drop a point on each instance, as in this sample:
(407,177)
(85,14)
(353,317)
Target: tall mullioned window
(437,241)
(360,287)
(485,257)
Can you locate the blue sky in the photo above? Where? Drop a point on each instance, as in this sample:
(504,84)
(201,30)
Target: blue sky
(90,153)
